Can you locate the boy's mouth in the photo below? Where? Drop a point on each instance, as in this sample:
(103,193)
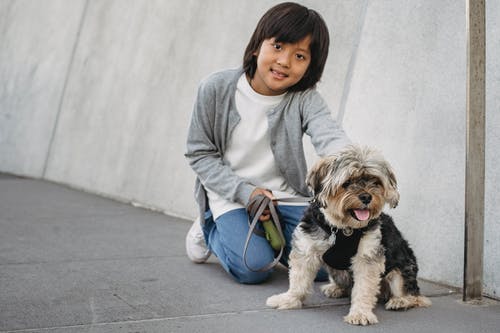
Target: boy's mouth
(279,74)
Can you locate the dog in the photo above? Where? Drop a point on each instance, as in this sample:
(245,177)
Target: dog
(345,230)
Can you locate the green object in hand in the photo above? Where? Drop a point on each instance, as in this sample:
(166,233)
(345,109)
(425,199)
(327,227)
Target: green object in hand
(272,235)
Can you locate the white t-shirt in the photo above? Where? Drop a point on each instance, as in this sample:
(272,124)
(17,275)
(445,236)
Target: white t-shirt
(249,150)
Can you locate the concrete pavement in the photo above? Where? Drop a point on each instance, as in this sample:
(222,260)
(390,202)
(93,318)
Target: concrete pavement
(75,262)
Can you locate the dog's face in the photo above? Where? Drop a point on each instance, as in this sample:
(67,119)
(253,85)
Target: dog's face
(353,186)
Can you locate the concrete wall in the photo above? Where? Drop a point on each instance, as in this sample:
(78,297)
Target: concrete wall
(492,214)
(98,95)
(36,44)
(407,96)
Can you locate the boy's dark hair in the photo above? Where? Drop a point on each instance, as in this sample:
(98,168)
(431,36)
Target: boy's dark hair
(290,22)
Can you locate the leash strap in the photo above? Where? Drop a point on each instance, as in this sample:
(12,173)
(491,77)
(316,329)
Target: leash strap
(257,206)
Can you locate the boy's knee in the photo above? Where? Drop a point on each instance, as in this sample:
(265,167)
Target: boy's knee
(250,277)
(248,272)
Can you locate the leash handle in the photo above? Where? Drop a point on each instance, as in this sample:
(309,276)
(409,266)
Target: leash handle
(257,206)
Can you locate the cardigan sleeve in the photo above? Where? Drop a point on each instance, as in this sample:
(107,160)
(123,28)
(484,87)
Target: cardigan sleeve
(327,136)
(203,151)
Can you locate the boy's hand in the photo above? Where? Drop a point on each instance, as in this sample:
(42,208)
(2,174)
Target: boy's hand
(266,214)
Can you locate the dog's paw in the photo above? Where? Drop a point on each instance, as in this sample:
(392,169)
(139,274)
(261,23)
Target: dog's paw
(361,318)
(407,302)
(423,302)
(400,303)
(284,301)
(333,291)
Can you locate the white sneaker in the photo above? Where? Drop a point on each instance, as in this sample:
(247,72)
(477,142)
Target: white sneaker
(196,247)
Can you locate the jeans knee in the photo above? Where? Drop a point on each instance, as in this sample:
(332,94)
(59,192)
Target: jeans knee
(247,272)
(250,277)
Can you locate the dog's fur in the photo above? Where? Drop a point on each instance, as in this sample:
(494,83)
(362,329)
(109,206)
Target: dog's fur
(350,191)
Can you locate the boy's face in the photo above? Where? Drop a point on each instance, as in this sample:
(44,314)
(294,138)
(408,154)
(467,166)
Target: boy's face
(280,65)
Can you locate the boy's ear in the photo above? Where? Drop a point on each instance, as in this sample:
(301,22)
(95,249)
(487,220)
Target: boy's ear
(256,52)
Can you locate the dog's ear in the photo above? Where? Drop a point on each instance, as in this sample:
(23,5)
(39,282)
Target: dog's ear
(317,176)
(391,189)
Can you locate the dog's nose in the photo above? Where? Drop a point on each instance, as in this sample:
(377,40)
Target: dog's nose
(365,198)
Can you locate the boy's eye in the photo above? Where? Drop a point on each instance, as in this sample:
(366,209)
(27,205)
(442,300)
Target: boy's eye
(300,56)
(277,46)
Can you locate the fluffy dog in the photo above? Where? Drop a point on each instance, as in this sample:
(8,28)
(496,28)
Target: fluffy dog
(345,230)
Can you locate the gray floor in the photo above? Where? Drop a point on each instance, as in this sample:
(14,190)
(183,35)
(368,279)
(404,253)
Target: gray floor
(75,262)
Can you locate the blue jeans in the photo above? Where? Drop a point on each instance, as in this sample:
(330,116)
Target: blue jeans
(226,238)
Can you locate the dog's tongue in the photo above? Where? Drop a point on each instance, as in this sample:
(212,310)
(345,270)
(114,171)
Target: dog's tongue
(362,214)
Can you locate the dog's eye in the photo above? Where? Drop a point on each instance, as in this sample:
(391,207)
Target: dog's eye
(346,184)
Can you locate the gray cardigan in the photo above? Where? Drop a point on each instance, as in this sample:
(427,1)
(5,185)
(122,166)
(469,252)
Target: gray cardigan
(214,118)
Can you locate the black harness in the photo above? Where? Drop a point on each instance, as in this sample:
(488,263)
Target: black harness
(345,244)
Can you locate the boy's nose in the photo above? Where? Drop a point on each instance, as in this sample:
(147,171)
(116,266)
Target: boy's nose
(284,59)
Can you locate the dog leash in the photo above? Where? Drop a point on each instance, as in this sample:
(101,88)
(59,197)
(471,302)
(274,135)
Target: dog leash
(257,206)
